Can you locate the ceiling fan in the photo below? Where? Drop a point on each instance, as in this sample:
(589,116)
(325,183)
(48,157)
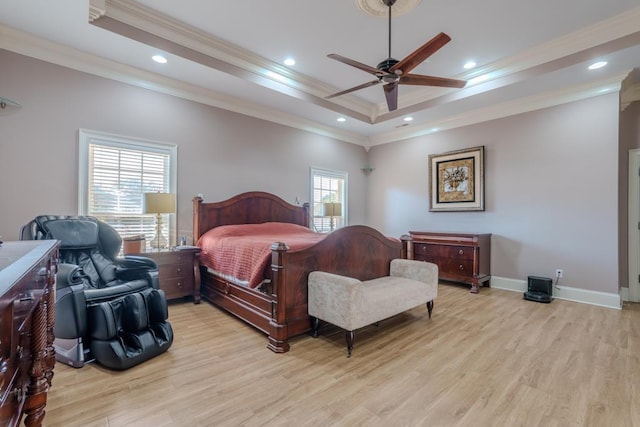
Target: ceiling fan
(392,72)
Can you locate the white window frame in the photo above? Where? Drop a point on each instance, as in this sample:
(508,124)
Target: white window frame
(90,137)
(318,222)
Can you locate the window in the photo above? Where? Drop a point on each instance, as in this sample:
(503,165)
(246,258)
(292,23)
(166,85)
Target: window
(328,187)
(115,172)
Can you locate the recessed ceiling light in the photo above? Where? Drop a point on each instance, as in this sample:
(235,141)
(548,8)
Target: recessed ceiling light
(289,62)
(159,59)
(342,119)
(469,65)
(408,119)
(597,65)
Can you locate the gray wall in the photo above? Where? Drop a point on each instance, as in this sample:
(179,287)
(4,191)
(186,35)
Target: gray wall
(220,153)
(551,191)
(551,183)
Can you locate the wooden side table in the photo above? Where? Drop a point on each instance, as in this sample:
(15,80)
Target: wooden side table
(178,272)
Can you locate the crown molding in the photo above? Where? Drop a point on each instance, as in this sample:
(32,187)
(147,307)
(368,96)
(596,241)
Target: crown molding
(32,46)
(29,45)
(630,90)
(149,26)
(617,32)
(96,9)
(506,109)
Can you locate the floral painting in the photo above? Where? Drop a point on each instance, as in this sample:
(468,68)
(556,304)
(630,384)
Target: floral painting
(457,180)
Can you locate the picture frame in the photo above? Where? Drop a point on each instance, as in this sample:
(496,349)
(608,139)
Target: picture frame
(456,180)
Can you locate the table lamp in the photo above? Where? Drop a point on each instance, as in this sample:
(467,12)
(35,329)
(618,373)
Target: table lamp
(159,203)
(332,209)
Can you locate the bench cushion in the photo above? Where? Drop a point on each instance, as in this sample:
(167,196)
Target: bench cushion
(352,304)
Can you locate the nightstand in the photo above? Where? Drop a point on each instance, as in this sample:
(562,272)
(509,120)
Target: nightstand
(178,272)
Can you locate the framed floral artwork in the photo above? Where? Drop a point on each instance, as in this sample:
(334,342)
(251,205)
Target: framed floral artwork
(457,180)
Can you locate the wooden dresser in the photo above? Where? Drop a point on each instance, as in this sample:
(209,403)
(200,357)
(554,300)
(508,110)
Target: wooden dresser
(464,258)
(27,313)
(178,272)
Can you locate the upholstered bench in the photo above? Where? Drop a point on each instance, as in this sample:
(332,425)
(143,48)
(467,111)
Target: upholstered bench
(352,304)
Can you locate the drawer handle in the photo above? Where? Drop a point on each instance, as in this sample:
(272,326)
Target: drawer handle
(424,249)
(461,267)
(3,367)
(460,252)
(27,297)
(179,284)
(179,270)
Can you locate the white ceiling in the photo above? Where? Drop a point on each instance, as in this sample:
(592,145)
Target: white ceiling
(229,54)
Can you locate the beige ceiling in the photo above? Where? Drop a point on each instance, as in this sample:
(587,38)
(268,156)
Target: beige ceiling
(229,54)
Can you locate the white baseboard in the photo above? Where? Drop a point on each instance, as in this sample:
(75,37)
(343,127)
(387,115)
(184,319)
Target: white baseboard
(584,296)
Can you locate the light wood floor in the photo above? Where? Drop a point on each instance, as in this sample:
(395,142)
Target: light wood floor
(490,359)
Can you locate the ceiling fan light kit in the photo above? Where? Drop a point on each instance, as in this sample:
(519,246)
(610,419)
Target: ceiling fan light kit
(379,7)
(392,72)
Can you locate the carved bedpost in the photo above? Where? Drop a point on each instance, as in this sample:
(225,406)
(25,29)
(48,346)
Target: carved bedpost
(278,336)
(197,201)
(307,214)
(407,247)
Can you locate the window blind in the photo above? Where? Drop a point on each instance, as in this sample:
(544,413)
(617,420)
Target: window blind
(328,186)
(118,173)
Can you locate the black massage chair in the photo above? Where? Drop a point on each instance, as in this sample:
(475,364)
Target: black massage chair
(107,308)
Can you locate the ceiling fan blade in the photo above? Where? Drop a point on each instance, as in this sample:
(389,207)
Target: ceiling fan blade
(353,89)
(391,93)
(419,80)
(419,55)
(358,65)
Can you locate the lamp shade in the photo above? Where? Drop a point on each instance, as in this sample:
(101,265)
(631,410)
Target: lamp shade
(159,203)
(332,209)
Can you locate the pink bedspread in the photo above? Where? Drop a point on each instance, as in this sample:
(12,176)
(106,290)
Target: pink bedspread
(244,251)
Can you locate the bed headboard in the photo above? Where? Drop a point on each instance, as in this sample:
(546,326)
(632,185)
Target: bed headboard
(254,207)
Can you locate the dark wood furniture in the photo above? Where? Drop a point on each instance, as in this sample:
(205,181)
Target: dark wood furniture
(460,257)
(281,311)
(27,313)
(178,272)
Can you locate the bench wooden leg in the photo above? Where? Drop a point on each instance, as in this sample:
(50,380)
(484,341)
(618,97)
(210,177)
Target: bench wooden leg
(315,325)
(350,336)
(430,308)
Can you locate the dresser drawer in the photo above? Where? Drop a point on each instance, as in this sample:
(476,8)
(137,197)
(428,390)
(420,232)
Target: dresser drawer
(182,270)
(169,257)
(428,252)
(176,287)
(447,266)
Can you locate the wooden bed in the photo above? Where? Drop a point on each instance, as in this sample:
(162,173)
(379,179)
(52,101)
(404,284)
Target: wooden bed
(280,311)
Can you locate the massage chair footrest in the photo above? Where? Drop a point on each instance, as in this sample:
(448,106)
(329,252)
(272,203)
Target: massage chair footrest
(129,330)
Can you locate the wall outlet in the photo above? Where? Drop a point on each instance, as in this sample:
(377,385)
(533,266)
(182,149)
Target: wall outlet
(559,273)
